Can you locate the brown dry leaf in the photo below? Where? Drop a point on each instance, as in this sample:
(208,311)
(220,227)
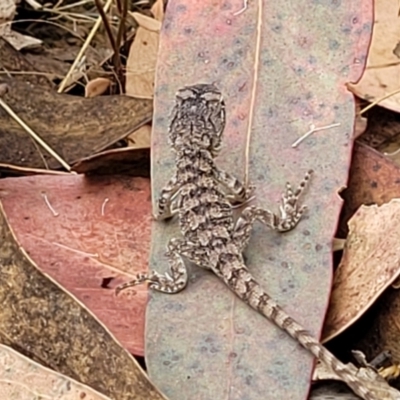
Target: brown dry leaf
(373,179)
(142,57)
(383,132)
(383,331)
(75,127)
(370,263)
(97,87)
(141,138)
(127,161)
(383,129)
(158,10)
(381,75)
(43,383)
(12,60)
(42,320)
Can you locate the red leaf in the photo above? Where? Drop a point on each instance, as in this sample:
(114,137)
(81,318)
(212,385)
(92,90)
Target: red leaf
(101,230)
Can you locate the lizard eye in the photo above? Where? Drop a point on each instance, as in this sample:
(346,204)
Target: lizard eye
(214,97)
(185,94)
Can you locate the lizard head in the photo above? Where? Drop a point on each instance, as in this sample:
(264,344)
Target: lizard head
(198,118)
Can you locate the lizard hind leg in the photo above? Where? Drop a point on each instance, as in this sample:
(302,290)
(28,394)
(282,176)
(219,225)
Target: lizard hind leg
(290,215)
(171,282)
(290,210)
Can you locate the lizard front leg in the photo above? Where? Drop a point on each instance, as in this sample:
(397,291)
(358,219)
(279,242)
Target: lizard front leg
(164,202)
(290,215)
(239,193)
(172,281)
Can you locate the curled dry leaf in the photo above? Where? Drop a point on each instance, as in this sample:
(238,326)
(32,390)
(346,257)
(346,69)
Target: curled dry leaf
(97,87)
(43,383)
(370,263)
(381,75)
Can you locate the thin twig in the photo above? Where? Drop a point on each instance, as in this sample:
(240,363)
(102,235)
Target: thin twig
(107,26)
(46,200)
(378,101)
(103,206)
(311,131)
(392,154)
(84,48)
(244,8)
(39,140)
(256,74)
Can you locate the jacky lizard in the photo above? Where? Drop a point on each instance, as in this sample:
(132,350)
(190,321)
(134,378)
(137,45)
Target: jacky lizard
(212,239)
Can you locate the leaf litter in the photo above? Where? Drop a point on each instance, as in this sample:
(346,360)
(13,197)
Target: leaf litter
(96,71)
(369,265)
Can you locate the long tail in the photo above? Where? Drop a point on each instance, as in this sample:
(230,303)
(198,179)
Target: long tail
(252,293)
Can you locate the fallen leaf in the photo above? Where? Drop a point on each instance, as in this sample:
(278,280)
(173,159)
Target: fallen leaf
(381,74)
(97,87)
(373,179)
(73,126)
(381,333)
(140,138)
(157,10)
(127,161)
(370,263)
(11,170)
(149,24)
(12,60)
(41,320)
(140,70)
(89,234)
(43,383)
(383,129)
(279,70)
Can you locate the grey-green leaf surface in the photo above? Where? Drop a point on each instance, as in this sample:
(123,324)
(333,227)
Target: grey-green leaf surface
(282,68)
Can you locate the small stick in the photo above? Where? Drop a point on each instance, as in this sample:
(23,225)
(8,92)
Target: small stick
(243,9)
(36,137)
(377,101)
(54,212)
(103,206)
(311,131)
(84,48)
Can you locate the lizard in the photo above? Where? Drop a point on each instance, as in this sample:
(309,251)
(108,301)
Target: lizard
(201,194)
